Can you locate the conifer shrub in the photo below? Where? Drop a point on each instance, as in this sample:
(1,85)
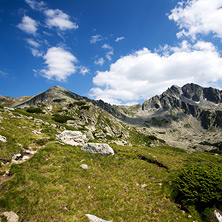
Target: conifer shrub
(61,118)
(200,186)
(34,110)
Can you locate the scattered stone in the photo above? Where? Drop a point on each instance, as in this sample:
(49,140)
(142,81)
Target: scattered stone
(84,166)
(16,157)
(70,122)
(36,132)
(101,148)
(93,218)
(11,216)
(73,138)
(189,216)
(7,172)
(38,121)
(24,158)
(3,139)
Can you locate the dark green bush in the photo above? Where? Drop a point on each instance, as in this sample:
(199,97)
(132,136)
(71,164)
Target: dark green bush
(199,185)
(61,119)
(85,107)
(34,110)
(59,100)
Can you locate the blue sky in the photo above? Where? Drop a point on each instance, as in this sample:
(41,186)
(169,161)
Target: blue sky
(123,52)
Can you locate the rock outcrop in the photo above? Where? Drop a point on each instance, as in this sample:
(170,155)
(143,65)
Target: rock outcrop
(100,148)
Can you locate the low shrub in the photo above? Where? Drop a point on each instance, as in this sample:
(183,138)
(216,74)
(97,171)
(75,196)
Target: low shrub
(199,185)
(34,110)
(61,119)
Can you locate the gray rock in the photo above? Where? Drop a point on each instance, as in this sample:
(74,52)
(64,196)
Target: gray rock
(73,138)
(84,166)
(93,218)
(3,139)
(101,148)
(11,216)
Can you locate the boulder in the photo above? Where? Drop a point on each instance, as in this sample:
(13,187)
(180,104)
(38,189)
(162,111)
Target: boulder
(11,216)
(3,139)
(93,218)
(73,138)
(84,166)
(101,148)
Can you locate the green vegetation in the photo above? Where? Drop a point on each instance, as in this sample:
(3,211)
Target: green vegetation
(59,100)
(199,186)
(34,110)
(138,183)
(61,118)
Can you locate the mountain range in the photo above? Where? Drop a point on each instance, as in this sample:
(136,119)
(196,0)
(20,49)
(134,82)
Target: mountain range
(189,117)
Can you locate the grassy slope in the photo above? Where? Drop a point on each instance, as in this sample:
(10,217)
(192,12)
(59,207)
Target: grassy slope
(51,186)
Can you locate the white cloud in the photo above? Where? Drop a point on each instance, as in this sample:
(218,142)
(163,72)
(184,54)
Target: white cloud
(33,43)
(59,64)
(119,39)
(106,46)
(96,38)
(36,52)
(28,25)
(99,61)
(198,17)
(110,52)
(83,70)
(143,74)
(59,19)
(38,6)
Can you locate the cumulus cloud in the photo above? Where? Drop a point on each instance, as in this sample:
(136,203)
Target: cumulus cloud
(99,61)
(59,19)
(59,64)
(119,39)
(198,17)
(28,25)
(38,6)
(143,74)
(96,38)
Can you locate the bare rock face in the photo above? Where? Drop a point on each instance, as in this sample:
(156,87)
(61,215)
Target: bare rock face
(11,216)
(93,218)
(101,148)
(74,138)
